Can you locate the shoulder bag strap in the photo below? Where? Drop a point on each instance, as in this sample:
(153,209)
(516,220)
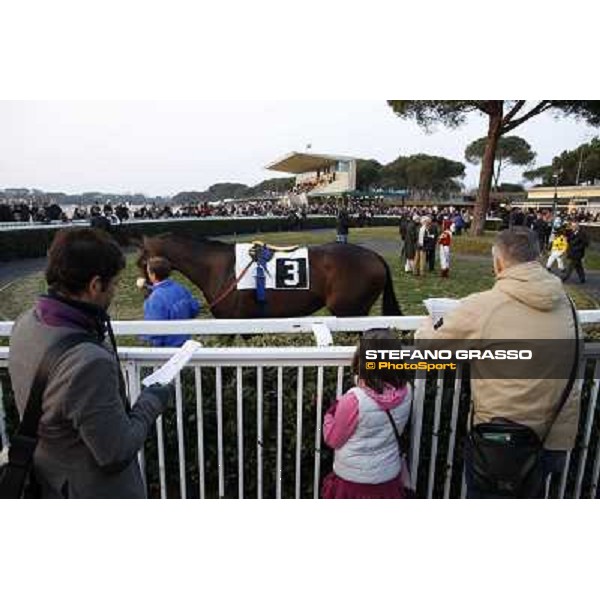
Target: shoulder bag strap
(567,391)
(122,386)
(33,409)
(402,441)
(398,440)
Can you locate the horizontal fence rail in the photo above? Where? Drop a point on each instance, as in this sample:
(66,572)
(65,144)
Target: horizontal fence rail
(247,421)
(263,326)
(20,225)
(36,225)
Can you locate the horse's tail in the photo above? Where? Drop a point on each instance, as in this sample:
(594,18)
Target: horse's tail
(390,302)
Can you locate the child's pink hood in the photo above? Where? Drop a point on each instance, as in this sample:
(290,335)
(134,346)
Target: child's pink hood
(389,398)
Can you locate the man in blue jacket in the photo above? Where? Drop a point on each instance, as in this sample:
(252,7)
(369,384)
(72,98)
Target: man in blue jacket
(168,300)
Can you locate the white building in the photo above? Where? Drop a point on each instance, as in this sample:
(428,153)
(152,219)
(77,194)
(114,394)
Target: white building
(318,174)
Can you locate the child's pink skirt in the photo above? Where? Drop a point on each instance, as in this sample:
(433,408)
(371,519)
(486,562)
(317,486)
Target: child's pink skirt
(336,488)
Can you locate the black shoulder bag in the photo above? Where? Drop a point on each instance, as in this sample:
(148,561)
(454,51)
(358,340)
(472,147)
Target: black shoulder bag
(403,442)
(16,477)
(507,457)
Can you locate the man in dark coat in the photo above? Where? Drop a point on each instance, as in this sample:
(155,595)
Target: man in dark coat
(410,243)
(578,242)
(402,228)
(516,218)
(542,230)
(343,225)
(429,244)
(100,221)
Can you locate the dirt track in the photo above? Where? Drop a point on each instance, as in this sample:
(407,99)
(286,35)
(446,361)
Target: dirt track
(11,271)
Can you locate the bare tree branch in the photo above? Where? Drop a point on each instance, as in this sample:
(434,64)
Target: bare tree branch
(536,110)
(513,111)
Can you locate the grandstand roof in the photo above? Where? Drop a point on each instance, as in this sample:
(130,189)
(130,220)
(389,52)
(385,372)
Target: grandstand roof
(301,162)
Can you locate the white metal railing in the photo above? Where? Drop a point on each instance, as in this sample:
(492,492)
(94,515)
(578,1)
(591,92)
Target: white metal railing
(254,326)
(212,457)
(271,326)
(18,225)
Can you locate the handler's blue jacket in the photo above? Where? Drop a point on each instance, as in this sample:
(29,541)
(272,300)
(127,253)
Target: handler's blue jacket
(169,301)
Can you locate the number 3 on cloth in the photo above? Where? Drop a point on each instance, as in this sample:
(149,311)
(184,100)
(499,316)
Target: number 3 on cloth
(290,273)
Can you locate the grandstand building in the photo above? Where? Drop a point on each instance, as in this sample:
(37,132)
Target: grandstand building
(571,197)
(318,174)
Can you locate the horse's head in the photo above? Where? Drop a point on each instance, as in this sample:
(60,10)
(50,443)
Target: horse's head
(141,262)
(192,258)
(146,251)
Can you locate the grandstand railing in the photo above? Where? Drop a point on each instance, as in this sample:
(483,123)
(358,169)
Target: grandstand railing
(208,447)
(85,223)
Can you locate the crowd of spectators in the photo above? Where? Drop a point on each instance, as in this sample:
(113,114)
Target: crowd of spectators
(22,212)
(361,211)
(325,177)
(518,216)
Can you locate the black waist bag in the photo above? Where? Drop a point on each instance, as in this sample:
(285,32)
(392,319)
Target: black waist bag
(507,457)
(17,479)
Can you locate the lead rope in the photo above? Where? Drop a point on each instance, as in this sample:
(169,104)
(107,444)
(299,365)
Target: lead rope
(231,287)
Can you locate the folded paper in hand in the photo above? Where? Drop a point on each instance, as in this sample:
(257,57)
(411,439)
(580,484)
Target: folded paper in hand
(438,307)
(169,370)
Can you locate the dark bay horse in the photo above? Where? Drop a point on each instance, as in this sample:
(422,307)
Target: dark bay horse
(345,278)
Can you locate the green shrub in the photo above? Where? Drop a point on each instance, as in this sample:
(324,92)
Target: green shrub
(25,243)
(34,242)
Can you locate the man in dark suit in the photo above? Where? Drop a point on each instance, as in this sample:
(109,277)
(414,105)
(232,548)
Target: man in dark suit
(343,224)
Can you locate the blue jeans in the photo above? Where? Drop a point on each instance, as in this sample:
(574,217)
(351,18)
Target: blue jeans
(553,462)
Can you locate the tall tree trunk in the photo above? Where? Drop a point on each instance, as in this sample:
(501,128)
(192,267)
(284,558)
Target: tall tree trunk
(487,171)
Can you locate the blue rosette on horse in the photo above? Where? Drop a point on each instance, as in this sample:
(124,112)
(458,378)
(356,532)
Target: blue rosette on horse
(261,254)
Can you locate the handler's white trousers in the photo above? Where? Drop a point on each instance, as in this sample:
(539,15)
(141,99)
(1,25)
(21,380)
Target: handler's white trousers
(555,256)
(444,257)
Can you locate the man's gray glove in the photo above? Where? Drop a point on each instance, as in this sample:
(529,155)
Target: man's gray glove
(163,392)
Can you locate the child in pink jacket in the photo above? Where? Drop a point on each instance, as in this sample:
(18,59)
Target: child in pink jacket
(367,461)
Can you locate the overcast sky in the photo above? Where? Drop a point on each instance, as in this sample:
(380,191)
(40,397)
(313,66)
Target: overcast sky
(161,148)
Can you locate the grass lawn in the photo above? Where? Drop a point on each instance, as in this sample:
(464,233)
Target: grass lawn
(469,274)
(461,244)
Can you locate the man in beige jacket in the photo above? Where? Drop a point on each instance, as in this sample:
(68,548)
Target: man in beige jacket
(526,303)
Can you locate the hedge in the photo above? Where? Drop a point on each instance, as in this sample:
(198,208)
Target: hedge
(34,242)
